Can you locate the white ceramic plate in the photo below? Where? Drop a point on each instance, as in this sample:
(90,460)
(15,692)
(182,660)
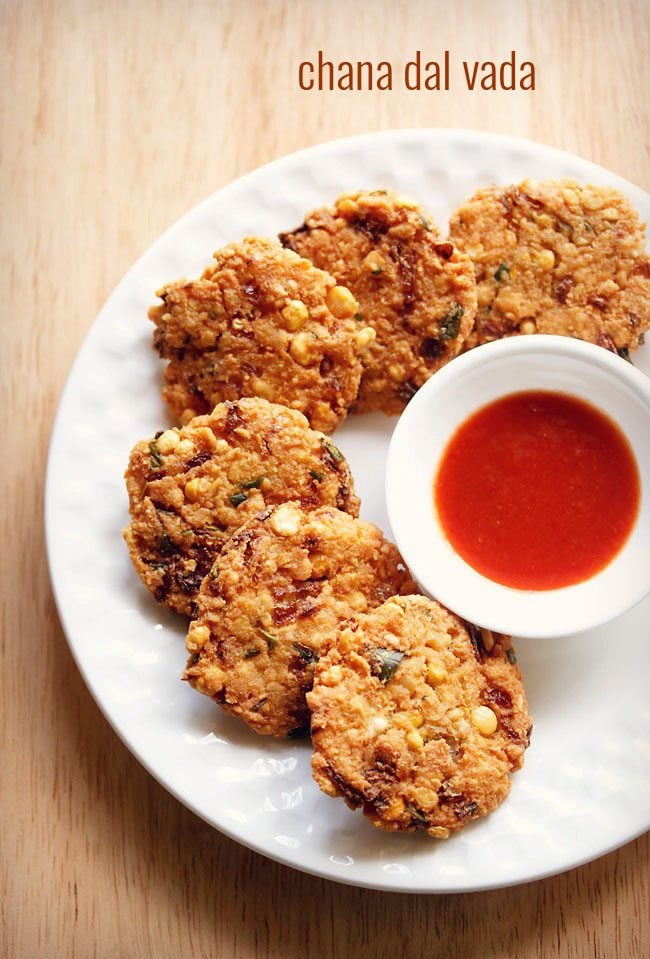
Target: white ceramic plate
(585,787)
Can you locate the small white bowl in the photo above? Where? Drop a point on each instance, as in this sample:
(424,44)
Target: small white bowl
(465,385)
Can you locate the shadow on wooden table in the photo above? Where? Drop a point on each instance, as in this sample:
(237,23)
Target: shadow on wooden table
(148,878)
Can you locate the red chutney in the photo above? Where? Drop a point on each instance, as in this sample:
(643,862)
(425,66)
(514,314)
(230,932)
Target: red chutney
(537,490)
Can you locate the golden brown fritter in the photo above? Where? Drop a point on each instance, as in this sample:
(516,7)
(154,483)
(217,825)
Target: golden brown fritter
(261,321)
(274,599)
(557,257)
(414,288)
(190,488)
(418,717)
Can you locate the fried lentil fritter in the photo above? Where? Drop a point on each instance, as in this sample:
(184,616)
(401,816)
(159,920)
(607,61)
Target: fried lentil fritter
(261,321)
(414,288)
(191,488)
(276,595)
(556,257)
(418,717)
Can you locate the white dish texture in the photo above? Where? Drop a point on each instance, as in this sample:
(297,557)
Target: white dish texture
(585,785)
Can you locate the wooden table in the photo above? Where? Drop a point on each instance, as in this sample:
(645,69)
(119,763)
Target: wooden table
(116,117)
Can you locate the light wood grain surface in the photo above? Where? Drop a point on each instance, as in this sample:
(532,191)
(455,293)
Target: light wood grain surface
(116,117)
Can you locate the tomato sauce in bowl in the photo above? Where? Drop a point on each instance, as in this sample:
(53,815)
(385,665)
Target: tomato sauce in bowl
(537,490)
